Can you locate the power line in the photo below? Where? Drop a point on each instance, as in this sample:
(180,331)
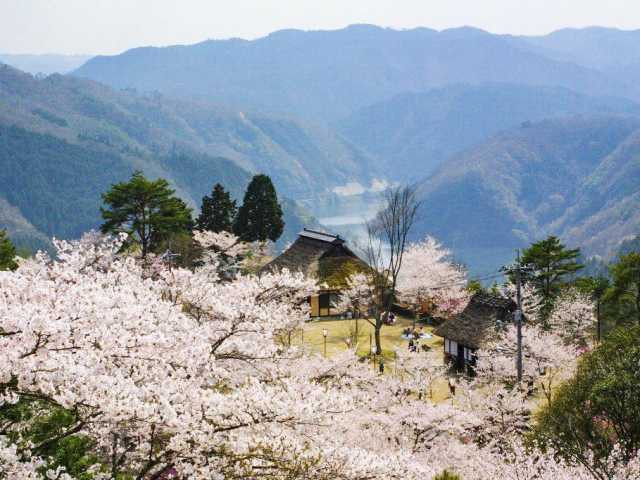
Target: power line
(487,276)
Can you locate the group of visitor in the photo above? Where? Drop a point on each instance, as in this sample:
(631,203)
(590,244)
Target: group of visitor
(414,337)
(389,318)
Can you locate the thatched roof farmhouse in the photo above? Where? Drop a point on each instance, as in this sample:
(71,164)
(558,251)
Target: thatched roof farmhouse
(478,324)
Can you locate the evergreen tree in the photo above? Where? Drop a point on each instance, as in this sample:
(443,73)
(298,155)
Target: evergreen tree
(626,285)
(597,410)
(596,288)
(145,209)
(218,211)
(7,253)
(551,263)
(260,216)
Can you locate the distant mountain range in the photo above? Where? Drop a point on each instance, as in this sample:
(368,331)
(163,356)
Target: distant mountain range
(303,158)
(326,75)
(44,64)
(413,133)
(577,177)
(594,47)
(509,138)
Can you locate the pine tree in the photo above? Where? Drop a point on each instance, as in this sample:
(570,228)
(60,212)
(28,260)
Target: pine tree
(260,216)
(218,211)
(626,284)
(551,263)
(145,209)
(7,253)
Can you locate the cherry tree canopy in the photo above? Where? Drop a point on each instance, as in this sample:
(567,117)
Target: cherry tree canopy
(176,374)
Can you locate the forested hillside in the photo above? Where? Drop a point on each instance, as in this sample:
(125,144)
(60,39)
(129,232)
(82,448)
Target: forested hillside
(304,159)
(413,133)
(576,177)
(64,141)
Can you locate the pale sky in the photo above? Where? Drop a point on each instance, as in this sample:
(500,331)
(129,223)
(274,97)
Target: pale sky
(112,26)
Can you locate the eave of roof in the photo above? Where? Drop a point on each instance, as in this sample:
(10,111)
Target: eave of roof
(479,322)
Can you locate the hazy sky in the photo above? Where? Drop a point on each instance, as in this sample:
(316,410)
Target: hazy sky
(111,26)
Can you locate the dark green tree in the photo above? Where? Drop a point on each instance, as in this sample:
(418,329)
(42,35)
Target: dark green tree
(260,216)
(187,253)
(218,211)
(551,264)
(7,252)
(145,209)
(626,285)
(596,288)
(598,408)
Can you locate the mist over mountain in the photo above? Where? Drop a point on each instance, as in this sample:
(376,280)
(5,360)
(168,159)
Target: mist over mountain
(414,133)
(44,64)
(576,177)
(327,75)
(595,47)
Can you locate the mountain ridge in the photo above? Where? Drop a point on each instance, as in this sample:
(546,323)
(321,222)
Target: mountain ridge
(536,180)
(326,75)
(417,131)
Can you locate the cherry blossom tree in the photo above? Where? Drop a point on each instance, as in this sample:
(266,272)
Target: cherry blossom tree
(573,317)
(428,274)
(174,373)
(547,359)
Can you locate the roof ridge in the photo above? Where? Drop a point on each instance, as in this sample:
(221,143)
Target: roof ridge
(305,229)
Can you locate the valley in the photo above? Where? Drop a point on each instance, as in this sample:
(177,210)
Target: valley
(450,128)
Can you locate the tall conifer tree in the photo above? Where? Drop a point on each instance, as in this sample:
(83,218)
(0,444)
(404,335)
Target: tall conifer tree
(145,209)
(260,216)
(218,211)
(551,264)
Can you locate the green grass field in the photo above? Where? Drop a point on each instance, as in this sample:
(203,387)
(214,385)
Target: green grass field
(338,331)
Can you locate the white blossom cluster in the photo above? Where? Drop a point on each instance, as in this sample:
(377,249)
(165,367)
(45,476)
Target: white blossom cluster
(428,274)
(175,374)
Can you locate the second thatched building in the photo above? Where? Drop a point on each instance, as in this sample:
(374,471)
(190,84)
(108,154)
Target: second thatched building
(483,319)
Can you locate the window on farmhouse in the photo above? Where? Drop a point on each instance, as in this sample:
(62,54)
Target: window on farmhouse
(451,347)
(324,300)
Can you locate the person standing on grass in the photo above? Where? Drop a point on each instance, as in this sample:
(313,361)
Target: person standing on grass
(381,367)
(452,386)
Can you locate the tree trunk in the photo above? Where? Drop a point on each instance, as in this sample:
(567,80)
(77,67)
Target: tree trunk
(598,321)
(638,303)
(377,336)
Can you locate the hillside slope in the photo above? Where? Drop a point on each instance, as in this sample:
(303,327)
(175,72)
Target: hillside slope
(302,158)
(577,177)
(413,133)
(65,141)
(327,75)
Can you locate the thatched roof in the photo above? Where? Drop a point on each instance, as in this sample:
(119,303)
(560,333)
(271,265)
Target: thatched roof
(480,321)
(319,255)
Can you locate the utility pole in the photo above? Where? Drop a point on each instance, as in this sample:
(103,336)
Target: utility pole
(517,269)
(518,316)
(598,319)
